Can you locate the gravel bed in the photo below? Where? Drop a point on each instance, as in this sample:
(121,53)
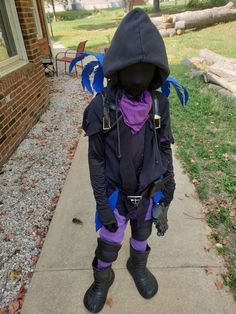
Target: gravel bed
(30,185)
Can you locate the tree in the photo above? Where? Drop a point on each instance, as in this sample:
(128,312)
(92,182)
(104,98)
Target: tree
(128,5)
(156,6)
(52,3)
(53,10)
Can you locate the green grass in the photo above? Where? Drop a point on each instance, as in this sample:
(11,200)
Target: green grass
(98,26)
(204,131)
(3,53)
(206,135)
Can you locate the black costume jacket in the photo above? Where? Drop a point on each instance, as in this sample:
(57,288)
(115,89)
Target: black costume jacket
(142,158)
(141,161)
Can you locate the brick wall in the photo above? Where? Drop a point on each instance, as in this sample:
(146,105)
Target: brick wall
(26,87)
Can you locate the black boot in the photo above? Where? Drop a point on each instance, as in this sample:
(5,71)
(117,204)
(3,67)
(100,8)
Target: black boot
(144,280)
(95,297)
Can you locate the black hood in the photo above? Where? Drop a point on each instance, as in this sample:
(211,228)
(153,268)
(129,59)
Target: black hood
(137,40)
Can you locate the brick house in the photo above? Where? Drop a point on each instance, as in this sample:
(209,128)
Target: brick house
(24,94)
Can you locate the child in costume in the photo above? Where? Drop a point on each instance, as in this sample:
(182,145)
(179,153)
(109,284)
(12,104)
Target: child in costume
(130,158)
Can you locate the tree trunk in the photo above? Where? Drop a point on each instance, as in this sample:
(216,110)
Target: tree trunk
(201,18)
(128,5)
(208,17)
(54,11)
(156,6)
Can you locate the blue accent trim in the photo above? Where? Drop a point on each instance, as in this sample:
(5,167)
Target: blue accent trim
(157,197)
(112,201)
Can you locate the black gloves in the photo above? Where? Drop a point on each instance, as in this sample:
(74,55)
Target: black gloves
(159,213)
(108,219)
(112,227)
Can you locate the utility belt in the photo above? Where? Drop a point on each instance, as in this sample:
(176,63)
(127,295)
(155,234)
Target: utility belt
(149,191)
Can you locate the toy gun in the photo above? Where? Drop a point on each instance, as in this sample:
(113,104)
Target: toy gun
(159,216)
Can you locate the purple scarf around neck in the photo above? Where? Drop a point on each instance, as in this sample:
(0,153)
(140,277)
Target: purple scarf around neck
(135,112)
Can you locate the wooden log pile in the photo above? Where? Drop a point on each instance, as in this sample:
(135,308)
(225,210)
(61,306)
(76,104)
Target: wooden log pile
(216,69)
(176,24)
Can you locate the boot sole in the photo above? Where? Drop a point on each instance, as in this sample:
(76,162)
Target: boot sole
(102,305)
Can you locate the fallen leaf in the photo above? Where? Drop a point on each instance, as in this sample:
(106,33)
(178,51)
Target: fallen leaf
(13,274)
(55,198)
(226,156)
(208,270)
(206,248)
(194,195)
(3,310)
(232,213)
(109,302)
(218,173)
(195,182)
(77,221)
(219,246)
(7,237)
(224,276)
(35,259)
(219,284)
(13,307)
(234,200)
(205,210)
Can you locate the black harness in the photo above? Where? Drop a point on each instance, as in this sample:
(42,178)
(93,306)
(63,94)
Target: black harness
(106,123)
(155,117)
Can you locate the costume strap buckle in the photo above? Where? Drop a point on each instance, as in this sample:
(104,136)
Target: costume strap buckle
(135,199)
(157,120)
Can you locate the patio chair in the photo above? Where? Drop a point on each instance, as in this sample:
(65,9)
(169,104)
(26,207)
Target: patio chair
(48,63)
(68,55)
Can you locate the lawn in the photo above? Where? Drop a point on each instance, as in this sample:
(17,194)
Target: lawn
(205,131)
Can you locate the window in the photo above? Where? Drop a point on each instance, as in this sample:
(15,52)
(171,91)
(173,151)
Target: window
(12,50)
(37,19)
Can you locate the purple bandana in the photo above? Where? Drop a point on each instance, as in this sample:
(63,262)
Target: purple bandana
(135,112)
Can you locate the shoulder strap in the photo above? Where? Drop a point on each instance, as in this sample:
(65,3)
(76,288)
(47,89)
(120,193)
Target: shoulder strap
(156,112)
(107,127)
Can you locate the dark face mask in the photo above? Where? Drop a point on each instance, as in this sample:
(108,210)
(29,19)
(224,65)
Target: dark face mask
(136,78)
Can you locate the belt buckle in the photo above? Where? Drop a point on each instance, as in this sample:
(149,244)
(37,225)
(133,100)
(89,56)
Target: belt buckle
(135,199)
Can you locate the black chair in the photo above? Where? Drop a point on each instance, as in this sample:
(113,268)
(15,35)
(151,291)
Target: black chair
(48,63)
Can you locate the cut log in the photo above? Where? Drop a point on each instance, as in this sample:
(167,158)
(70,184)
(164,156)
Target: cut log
(167,19)
(197,62)
(180,25)
(202,18)
(171,31)
(212,78)
(168,25)
(180,31)
(223,71)
(207,17)
(212,57)
(163,32)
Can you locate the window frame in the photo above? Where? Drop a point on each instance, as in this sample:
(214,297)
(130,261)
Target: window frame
(37,20)
(20,59)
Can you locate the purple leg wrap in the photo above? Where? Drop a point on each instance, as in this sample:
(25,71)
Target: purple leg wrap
(139,246)
(118,236)
(103,265)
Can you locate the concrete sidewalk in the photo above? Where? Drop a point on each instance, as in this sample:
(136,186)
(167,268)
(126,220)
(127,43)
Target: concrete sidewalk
(64,272)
